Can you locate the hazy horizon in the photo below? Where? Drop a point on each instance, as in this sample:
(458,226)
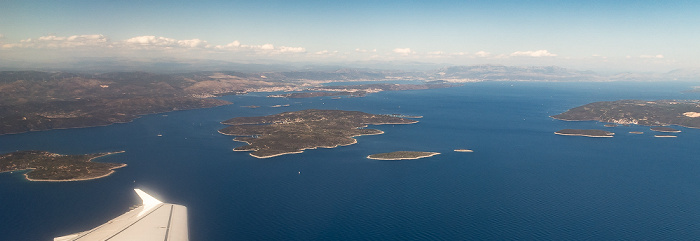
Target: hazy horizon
(647,36)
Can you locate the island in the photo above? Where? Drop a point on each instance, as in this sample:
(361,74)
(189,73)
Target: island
(401,155)
(610,125)
(293,132)
(665,129)
(640,112)
(665,136)
(463,150)
(47,166)
(636,132)
(586,133)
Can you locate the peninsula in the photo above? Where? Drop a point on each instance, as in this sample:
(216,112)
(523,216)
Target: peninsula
(402,155)
(587,133)
(47,166)
(640,112)
(293,132)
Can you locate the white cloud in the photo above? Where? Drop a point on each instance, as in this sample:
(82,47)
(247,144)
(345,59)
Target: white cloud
(53,41)
(536,53)
(482,54)
(403,51)
(658,56)
(285,49)
(193,43)
(151,41)
(326,52)
(435,53)
(159,42)
(365,50)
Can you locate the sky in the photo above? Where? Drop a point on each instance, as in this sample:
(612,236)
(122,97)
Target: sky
(653,36)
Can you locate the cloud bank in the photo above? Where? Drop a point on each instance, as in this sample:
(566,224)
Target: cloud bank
(536,53)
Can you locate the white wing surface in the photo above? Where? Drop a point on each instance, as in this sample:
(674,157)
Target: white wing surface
(154,220)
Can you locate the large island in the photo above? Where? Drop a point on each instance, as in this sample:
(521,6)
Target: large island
(293,132)
(640,112)
(47,166)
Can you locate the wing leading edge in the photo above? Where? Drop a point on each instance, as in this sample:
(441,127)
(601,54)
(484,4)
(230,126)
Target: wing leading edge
(154,220)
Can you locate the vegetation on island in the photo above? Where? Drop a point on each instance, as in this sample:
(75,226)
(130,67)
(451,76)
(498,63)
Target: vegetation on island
(587,133)
(402,155)
(47,166)
(640,112)
(293,132)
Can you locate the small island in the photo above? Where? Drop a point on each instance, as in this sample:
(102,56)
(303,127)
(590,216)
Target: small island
(47,166)
(293,132)
(463,150)
(665,136)
(586,133)
(636,132)
(401,155)
(610,125)
(665,129)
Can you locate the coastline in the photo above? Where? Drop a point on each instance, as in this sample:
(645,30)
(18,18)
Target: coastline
(354,141)
(72,180)
(665,124)
(563,134)
(302,150)
(26,176)
(463,150)
(136,116)
(352,136)
(406,158)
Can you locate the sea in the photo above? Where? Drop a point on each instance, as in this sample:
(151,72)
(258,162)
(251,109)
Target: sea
(521,182)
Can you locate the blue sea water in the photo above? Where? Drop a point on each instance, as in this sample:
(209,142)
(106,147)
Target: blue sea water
(522,181)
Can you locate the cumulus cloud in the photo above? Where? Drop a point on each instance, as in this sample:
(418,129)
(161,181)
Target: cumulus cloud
(156,42)
(148,42)
(536,53)
(193,43)
(53,41)
(285,49)
(365,50)
(403,51)
(326,52)
(658,56)
(482,54)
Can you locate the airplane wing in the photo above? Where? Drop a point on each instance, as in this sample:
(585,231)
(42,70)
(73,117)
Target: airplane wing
(154,220)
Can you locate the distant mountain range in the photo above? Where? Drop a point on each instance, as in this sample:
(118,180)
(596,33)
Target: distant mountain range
(350,71)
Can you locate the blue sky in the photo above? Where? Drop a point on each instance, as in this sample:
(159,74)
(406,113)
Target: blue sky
(598,35)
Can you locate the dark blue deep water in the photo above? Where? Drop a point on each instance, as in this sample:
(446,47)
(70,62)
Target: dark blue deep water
(522,181)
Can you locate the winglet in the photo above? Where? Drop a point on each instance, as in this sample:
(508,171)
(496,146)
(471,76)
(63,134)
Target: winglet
(149,202)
